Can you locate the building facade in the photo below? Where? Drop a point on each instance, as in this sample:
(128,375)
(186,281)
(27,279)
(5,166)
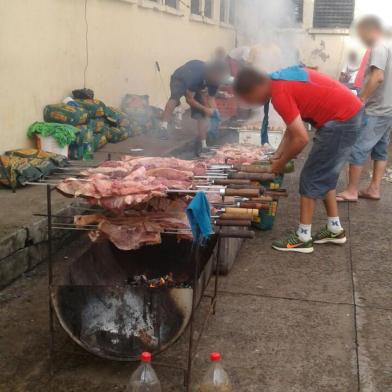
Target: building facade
(50,47)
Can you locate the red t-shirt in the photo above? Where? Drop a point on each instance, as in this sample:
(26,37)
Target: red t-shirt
(318,101)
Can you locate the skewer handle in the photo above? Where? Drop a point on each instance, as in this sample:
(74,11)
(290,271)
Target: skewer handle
(236,222)
(242,192)
(257,206)
(244,212)
(252,176)
(237,234)
(253,168)
(231,182)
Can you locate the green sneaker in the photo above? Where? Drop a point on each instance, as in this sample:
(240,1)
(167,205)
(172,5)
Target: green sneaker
(292,243)
(325,236)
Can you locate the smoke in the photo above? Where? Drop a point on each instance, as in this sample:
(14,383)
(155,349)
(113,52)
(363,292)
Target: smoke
(267,27)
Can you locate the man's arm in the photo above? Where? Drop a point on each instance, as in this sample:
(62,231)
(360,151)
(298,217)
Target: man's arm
(190,99)
(211,101)
(294,141)
(375,80)
(283,142)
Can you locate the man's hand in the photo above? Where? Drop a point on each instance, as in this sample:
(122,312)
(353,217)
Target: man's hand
(278,166)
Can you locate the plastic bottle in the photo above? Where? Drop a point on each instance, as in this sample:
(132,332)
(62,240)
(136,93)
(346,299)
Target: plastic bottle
(216,379)
(144,379)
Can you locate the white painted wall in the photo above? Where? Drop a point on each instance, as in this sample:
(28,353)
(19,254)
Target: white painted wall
(43,53)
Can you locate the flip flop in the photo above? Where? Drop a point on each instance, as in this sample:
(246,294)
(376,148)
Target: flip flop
(364,195)
(343,199)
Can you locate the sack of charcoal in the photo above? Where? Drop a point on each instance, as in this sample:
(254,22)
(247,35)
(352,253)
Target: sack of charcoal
(16,171)
(99,140)
(94,107)
(115,135)
(98,125)
(56,159)
(65,114)
(117,117)
(84,142)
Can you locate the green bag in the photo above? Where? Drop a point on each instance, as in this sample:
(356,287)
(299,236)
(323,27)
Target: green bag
(117,117)
(56,159)
(65,114)
(115,135)
(84,142)
(97,125)
(99,140)
(15,171)
(94,107)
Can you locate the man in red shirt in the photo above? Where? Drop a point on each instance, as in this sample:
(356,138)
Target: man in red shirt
(336,113)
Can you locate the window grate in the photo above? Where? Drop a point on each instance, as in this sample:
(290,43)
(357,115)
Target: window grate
(208,6)
(195,7)
(298,10)
(333,13)
(171,3)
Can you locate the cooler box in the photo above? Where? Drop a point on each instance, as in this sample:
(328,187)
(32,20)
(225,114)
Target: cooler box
(50,144)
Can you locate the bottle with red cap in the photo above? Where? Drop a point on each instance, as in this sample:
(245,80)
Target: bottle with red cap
(216,379)
(144,379)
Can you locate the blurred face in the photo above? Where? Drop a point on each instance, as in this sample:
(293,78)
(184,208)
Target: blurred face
(258,96)
(216,78)
(368,36)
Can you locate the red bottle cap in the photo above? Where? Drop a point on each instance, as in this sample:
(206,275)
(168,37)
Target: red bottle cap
(215,357)
(145,357)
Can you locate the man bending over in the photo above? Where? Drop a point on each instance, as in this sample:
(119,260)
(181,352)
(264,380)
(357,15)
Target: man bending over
(336,113)
(198,82)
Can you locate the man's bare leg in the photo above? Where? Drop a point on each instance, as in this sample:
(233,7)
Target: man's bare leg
(169,109)
(354,178)
(331,205)
(307,207)
(374,188)
(202,130)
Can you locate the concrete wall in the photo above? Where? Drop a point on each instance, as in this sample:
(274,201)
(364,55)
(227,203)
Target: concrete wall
(43,53)
(327,48)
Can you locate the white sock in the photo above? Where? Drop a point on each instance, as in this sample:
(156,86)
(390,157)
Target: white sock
(164,124)
(334,225)
(204,144)
(304,232)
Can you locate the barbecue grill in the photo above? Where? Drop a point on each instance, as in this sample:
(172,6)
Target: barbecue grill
(102,308)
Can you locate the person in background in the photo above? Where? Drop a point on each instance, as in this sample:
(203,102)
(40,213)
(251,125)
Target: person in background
(198,82)
(350,71)
(300,94)
(376,93)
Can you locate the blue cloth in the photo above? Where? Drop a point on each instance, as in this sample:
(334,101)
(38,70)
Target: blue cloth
(193,76)
(199,217)
(213,128)
(296,73)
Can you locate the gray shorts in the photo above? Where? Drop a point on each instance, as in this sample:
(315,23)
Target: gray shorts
(331,150)
(373,140)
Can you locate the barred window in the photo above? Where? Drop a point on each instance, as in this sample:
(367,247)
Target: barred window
(298,10)
(208,8)
(333,13)
(195,7)
(232,12)
(171,3)
(223,10)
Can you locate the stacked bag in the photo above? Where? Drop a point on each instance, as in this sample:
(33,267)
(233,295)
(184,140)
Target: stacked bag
(143,117)
(97,123)
(17,167)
